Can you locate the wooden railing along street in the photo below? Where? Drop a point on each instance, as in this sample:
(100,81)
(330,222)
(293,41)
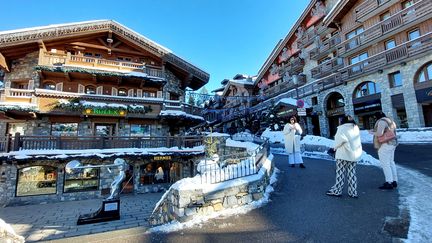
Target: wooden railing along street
(16,143)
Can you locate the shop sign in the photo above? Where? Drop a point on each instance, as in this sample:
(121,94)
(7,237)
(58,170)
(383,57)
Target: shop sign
(337,111)
(104,112)
(166,157)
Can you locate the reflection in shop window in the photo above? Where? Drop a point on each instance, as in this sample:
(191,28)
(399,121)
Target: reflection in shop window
(156,173)
(365,89)
(77,180)
(64,129)
(140,130)
(36,180)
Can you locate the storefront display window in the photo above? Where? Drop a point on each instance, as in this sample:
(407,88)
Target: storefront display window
(16,127)
(81,180)
(36,180)
(156,173)
(139,130)
(64,129)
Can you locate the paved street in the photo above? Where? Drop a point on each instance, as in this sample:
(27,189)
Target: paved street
(299,211)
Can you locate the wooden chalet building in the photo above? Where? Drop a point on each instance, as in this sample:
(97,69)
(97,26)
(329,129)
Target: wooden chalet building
(354,57)
(91,85)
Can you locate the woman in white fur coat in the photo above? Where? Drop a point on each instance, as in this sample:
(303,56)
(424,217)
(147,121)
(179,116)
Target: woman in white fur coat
(348,151)
(292,132)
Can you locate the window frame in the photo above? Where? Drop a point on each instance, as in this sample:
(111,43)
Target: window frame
(86,88)
(392,80)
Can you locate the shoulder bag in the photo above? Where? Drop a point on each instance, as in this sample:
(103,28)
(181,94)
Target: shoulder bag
(387,135)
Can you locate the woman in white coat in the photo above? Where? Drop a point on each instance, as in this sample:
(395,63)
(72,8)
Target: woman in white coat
(292,132)
(348,151)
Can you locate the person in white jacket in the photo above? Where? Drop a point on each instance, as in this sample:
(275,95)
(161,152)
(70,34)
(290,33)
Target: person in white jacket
(292,132)
(348,151)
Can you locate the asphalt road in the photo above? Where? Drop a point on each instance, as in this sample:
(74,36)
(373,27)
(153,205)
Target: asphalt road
(299,211)
(417,157)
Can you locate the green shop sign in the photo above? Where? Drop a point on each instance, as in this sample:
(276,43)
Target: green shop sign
(104,112)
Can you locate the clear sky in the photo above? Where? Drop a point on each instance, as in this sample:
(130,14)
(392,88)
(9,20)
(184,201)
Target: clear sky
(223,37)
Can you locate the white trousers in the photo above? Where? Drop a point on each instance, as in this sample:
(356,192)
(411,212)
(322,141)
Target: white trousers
(386,157)
(295,158)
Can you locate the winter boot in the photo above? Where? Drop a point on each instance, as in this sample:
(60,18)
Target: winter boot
(302,166)
(394,184)
(293,165)
(386,186)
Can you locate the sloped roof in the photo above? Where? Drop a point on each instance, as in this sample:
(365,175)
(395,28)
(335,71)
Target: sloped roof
(11,38)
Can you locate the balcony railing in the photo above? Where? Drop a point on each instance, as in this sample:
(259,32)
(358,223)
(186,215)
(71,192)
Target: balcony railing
(398,22)
(18,142)
(372,7)
(54,59)
(398,54)
(284,86)
(18,93)
(325,47)
(327,68)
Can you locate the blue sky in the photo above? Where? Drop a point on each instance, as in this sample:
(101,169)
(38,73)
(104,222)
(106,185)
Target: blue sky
(223,37)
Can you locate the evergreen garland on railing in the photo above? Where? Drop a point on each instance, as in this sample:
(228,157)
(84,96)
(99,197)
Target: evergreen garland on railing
(76,105)
(17,108)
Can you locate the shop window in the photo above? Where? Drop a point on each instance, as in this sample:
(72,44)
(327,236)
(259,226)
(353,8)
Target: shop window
(90,89)
(139,130)
(36,180)
(49,86)
(395,79)
(365,89)
(64,129)
(16,127)
(402,116)
(122,92)
(77,180)
(154,173)
(425,73)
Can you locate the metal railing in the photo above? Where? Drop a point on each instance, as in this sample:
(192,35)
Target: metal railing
(233,166)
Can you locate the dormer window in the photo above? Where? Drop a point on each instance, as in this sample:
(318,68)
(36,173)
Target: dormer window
(90,89)
(122,92)
(49,86)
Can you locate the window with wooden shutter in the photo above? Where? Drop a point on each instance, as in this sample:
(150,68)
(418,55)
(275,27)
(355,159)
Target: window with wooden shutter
(81,89)
(59,87)
(114,91)
(131,93)
(99,90)
(139,93)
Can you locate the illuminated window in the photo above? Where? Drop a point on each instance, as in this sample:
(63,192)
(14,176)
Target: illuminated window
(122,92)
(81,180)
(90,89)
(36,180)
(49,86)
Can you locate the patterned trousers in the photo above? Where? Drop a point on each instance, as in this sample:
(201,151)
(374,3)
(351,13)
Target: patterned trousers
(343,166)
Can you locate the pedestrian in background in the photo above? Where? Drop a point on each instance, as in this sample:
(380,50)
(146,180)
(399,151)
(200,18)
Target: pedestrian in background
(348,151)
(292,132)
(386,149)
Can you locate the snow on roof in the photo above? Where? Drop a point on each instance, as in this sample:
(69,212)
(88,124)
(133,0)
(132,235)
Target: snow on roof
(179,113)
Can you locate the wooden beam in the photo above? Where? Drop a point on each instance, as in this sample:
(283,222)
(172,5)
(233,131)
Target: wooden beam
(42,45)
(67,76)
(116,44)
(3,63)
(41,75)
(102,42)
(107,49)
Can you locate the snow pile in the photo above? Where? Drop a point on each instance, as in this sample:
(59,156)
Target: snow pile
(8,235)
(250,147)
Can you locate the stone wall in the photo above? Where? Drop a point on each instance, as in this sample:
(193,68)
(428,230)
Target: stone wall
(182,204)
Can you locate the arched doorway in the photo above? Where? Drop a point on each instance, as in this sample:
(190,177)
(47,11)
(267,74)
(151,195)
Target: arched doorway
(335,111)
(423,89)
(367,101)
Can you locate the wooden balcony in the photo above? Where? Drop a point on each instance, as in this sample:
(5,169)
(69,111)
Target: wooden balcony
(296,65)
(327,68)
(370,8)
(325,47)
(399,22)
(17,142)
(398,55)
(54,59)
(17,95)
(284,86)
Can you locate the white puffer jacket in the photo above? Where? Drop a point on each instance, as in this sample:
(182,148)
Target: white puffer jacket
(348,143)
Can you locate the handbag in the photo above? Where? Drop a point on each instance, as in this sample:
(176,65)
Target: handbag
(387,136)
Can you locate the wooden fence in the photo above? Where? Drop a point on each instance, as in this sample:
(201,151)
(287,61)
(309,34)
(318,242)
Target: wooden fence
(15,143)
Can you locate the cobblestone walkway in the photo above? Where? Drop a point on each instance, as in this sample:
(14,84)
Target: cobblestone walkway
(58,220)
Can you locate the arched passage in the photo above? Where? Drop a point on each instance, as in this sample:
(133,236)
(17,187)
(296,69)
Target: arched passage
(335,111)
(423,89)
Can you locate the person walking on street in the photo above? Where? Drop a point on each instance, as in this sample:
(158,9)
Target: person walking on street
(292,132)
(348,151)
(386,149)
